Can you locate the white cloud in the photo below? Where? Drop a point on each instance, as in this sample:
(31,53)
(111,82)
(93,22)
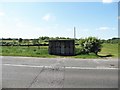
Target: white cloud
(107,1)
(2,13)
(49,17)
(46,17)
(103,28)
(18,27)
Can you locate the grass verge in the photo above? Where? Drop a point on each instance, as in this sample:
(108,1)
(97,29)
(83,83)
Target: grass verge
(108,50)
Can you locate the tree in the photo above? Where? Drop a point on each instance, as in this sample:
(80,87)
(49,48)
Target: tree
(44,38)
(91,45)
(56,38)
(20,41)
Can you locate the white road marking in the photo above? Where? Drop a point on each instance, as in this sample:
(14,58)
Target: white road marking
(94,68)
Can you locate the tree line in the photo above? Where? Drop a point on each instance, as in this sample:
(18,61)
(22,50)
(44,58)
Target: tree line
(44,40)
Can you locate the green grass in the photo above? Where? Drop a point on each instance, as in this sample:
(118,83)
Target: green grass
(108,50)
(31,51)
(91,55)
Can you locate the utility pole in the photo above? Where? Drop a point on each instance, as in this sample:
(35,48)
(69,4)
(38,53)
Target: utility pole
(74,33)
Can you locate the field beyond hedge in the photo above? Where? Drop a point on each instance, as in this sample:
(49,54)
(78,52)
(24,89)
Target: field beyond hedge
(108,50)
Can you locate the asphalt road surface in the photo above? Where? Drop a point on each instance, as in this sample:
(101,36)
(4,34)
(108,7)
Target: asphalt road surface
(27,72)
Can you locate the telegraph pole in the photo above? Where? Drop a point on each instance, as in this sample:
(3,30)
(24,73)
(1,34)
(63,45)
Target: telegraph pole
(74,33)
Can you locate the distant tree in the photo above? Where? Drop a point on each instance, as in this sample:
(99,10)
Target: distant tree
(44,38)
(57,38)
(67,38)
(62,38)
(91,45)
(20,41)
(103,41)
(52,38)
(113,41)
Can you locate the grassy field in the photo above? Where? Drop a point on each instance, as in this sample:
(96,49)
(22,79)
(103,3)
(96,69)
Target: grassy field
(31,51)
(108,50)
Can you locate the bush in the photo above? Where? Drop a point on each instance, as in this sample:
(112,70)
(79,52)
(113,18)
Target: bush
(90,45)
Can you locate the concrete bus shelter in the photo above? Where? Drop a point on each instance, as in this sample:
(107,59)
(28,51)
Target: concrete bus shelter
(62,47)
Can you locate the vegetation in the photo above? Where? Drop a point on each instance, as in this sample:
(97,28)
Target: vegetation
(20,40)
(44,40)
(36,41)
(108,50)
(85,48)
(90,45)
(32,51)
(112,41)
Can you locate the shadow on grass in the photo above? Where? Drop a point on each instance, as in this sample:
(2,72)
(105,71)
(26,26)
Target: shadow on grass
(104,56)
(99,56)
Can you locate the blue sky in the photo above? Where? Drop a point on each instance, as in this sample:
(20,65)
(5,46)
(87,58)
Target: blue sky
(35,19)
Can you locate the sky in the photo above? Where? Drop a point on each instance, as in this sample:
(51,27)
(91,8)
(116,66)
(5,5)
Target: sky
(35,19)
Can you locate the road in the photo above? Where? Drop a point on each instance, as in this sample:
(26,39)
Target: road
(27,72)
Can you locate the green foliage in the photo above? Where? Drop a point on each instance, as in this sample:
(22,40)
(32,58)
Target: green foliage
(90,45)
(35,41)
(112,41)
(20,40)
(27,41)
(45,38)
